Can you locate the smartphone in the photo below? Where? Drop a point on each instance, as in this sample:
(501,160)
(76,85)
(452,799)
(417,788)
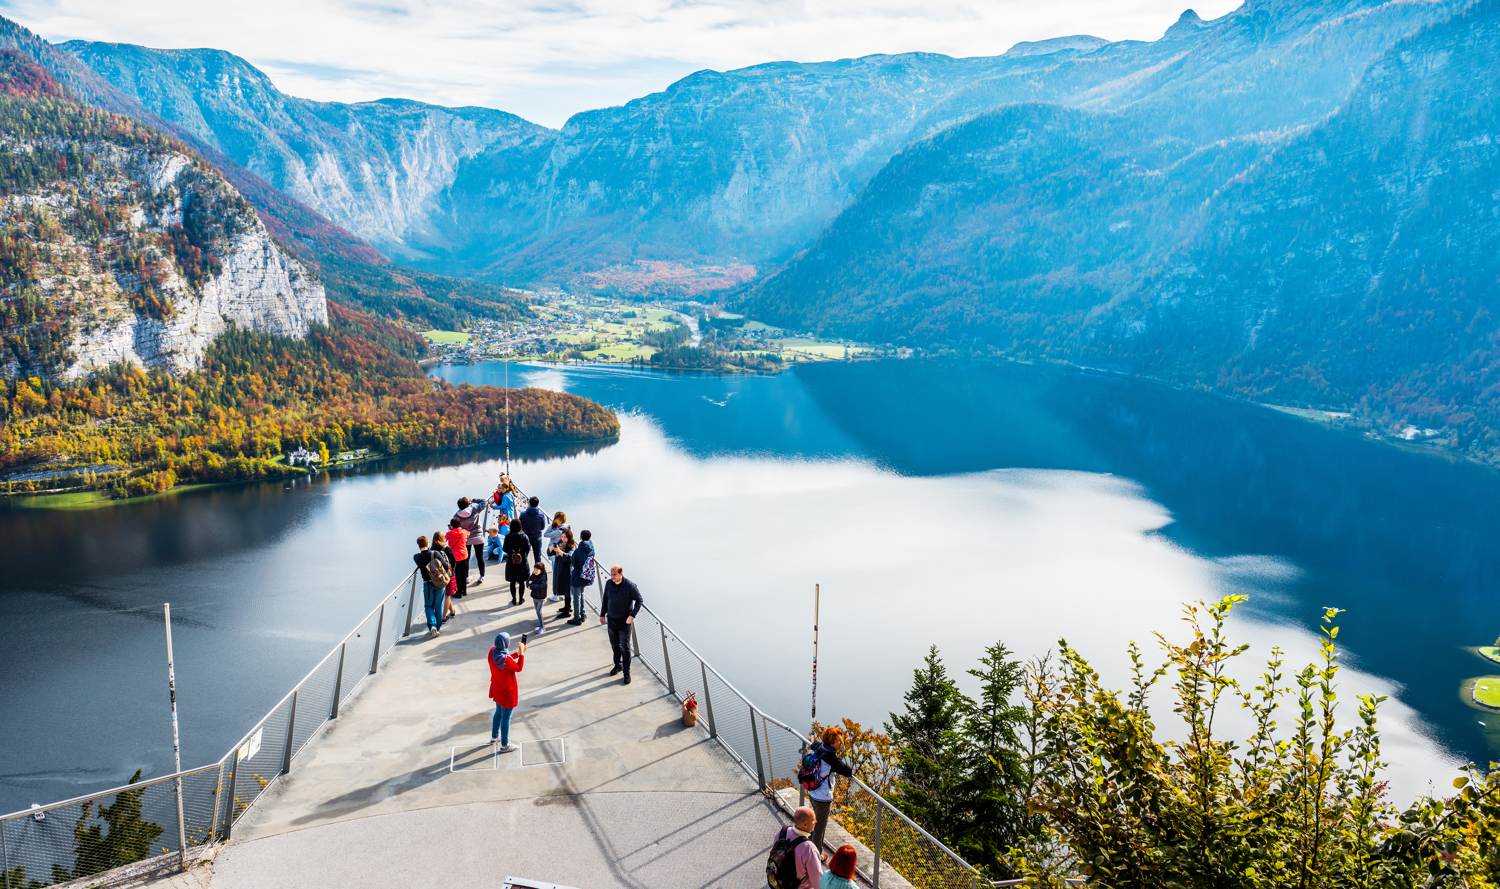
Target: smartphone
(523,636)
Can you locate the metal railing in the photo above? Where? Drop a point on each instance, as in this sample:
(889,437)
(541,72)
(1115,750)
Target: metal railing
(137,823)
(90,834)
(896,851)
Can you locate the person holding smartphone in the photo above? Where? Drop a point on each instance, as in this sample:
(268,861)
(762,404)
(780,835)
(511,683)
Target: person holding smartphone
(505,666)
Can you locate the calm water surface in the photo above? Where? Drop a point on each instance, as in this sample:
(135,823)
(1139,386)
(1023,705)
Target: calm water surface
(936,502)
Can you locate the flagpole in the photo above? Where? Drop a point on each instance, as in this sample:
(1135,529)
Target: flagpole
(507,417)
(166,612)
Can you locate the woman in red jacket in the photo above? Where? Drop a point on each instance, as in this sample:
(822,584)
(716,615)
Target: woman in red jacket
(504,665)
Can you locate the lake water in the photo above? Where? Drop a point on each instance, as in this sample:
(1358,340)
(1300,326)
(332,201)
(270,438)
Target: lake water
(952,503)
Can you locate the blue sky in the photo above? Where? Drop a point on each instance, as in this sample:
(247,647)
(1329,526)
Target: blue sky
(547,59)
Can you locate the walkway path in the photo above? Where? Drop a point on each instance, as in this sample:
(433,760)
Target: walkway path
(401,790)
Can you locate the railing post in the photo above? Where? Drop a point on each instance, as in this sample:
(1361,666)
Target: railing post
(213,818)
(708,701)
(879,817)
(338,681)
(635,639)
(4,859)
(666,658)
(760,769)
(411,605)
(379,626)
(234,774)
(291,734)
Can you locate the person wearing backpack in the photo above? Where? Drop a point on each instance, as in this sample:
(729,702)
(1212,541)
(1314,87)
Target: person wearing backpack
(440,543)
(583,570)
(433,566)
(517,547)
(794,862)
(819,764)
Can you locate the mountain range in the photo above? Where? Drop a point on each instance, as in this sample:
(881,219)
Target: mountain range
(1288,202)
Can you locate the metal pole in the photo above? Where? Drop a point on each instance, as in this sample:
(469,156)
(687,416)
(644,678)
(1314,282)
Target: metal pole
(338,681)
(411,605)
(708,702)
(666,658)
(234,775)
(507,416)
(166,612)
(291,734)
(379,626)
(760,768)
(879,817)
(817,596)
(4,859)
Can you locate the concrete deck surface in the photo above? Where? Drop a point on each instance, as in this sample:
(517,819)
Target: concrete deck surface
(401,790)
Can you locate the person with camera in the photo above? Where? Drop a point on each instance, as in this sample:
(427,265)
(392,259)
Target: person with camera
(505,666)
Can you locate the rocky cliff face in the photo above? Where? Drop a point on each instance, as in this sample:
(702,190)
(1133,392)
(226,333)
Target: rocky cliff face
(120,245)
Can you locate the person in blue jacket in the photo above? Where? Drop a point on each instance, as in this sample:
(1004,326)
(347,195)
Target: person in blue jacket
(582,572)
(534,523)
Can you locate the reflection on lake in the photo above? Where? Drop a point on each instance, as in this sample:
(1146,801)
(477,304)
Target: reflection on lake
(947,503)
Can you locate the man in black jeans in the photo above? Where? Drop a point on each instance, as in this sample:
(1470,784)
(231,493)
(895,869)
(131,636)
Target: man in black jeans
(622,601)
(534,522)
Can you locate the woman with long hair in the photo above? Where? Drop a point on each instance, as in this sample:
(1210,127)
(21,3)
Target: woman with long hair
(517,549)
(562,571)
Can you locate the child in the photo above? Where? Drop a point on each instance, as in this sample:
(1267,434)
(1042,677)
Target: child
(538,583)
(492,540)
(440,542)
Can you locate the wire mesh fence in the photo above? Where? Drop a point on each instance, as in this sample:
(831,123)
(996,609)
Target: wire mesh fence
(138,822)
(87,836)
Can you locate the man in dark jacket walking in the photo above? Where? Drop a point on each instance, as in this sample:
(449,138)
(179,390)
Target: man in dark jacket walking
(622,601)
(534,522)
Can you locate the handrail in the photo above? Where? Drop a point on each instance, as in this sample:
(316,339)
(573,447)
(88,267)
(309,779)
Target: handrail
(83,798)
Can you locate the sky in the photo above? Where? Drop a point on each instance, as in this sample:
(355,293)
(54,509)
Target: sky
(547,59)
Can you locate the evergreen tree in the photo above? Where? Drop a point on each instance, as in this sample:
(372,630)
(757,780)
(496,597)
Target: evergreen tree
(994,783)
(927,734)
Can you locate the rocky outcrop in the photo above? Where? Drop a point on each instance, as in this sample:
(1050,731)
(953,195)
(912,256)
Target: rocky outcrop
(260,287)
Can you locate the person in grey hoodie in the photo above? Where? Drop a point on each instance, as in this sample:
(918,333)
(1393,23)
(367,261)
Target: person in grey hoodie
(470,517)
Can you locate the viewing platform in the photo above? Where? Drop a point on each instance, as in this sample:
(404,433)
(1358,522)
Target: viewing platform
(375,771)
(607,787)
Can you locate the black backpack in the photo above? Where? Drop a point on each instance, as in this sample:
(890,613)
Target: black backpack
(781,864)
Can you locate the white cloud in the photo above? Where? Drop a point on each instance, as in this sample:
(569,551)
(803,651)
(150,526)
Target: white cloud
(546,59)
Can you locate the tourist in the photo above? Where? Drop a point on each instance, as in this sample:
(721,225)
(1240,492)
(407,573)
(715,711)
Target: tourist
(562,571)
(434,582)
(470,517)
(827,764)
(551,536)
(504,666)
(517,568)
(493,536)
(503,500)
(794,862)
(622,601)
(440,543)
(458,548)
(539,584)
(840,869)
(534,523)
(583,573)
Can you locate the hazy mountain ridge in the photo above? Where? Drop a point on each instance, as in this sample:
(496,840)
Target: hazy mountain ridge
(374,167)
(1244,263)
